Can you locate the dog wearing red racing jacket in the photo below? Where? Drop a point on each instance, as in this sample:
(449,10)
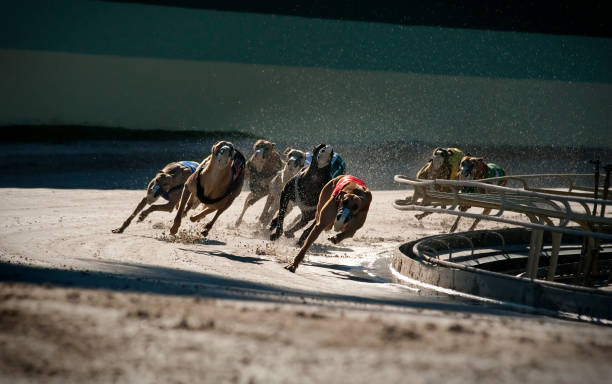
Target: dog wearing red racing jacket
(343,204)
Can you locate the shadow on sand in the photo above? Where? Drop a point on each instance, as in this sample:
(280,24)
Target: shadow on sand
(150,279)
(242,259)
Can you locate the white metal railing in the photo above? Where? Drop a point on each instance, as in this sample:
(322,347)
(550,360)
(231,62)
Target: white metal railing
(539,207)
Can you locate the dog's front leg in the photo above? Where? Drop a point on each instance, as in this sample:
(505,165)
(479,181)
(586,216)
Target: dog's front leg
(168,207)
(264,218)
(202,214)
(485,212)
(277,223)
(353,225)
(453,228)
(193,202)
(209,225)
(312,236)
(127,222)
(179,213)
(247,204)
(342,235)
(326,216)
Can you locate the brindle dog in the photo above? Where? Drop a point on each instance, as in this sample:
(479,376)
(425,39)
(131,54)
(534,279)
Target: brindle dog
(261,168)
(303,189)
(443,165)
(295,161)
(475,168)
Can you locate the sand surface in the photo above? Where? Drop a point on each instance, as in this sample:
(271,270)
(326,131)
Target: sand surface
(81,304)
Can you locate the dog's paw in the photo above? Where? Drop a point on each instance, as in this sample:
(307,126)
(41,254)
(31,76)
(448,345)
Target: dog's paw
(205,232)
(289,235)
(174,229)
(333,239)
(274,236)
(290,267)
(117,230)
(274,224)
(237,223)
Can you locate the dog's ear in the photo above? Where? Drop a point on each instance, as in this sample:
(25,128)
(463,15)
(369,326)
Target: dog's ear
(273,144)
(339,196)
(215,147)
(165,178)
(316,149)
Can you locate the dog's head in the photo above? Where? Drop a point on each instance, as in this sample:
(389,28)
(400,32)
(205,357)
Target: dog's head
(159,185)
(261,151)
(472,168)
(440,156)
(322,155)
(295,159)
(349,204)
(223,153)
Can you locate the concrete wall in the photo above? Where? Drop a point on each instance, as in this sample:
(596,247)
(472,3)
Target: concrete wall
(140,66)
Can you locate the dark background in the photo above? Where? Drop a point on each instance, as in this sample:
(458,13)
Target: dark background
(584,18)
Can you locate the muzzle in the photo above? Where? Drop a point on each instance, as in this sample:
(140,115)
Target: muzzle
(293,161)
(441,152)
(342,218)
(222,151)
(324,156)
(261,152)
(154,193)
(465,170)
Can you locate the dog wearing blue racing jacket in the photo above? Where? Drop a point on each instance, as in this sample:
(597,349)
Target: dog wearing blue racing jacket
(168,184)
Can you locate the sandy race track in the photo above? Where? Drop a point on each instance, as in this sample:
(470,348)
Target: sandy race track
(81,304)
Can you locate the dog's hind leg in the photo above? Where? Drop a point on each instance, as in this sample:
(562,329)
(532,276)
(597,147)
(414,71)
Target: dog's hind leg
(247,204)
(422,215)
(456,223)
(250,200)
(127,222)
(305,235)
(485,211)
(304,219)
(209,225)
(168,207)
(295,221)
(267,211)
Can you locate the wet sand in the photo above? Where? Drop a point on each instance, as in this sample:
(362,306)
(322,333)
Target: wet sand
(79,303)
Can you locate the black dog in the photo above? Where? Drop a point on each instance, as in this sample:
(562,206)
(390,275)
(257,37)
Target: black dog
(304,189)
